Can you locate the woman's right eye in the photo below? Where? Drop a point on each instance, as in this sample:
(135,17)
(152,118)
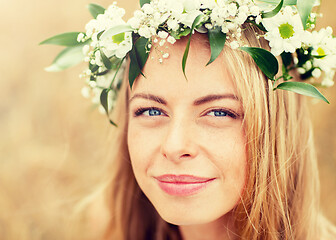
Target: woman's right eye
(150,112)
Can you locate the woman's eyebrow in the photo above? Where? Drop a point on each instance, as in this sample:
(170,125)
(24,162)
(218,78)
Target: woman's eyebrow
(199,101)
(214,97)
(148,96)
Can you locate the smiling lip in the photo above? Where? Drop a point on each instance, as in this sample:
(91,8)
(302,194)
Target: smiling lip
(182,185)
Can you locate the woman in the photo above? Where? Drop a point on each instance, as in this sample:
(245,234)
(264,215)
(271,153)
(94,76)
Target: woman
(209,151)
(253,146)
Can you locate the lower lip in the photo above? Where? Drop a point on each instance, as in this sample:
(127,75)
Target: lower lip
(183,189)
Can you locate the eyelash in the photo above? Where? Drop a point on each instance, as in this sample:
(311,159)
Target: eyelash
(141,111)
(227,113)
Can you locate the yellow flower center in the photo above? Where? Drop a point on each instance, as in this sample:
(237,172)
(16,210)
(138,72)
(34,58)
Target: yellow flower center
(320,51)
(118,38)
(286,30)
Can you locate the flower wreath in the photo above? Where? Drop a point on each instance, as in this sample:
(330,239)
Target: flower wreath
(288,26)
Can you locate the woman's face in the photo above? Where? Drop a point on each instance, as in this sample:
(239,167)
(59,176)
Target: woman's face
(185,137)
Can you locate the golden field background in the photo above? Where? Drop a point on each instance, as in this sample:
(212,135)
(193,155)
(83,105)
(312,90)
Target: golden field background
(53,144)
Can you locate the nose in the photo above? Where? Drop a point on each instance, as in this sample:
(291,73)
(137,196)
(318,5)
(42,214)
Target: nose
(179,142)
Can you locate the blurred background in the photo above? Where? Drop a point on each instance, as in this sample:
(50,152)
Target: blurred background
(53,143)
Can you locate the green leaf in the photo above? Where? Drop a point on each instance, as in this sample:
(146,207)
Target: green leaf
(106,61)
(113,123)
(138,58)
(274,11)
(287,59)
(134,69)
(217,41)
(93,67)
(143,2)
(265,60)
(274,2)
(104,100)
(141,51)
(104,103)
(318,57)
(305,7)
(303,89)
(69,57)
(116,30)
(178,34)
(186,52)
(68,39)
(95,9)
(116,72)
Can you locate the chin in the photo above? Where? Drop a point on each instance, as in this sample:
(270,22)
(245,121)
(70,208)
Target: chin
(185,218)
(184,221)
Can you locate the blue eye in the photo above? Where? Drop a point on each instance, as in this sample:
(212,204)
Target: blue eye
(151,112)
(221,113)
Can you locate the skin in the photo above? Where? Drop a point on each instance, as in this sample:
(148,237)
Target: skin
(195,128)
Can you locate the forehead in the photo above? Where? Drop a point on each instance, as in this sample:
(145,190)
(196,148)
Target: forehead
(167,78)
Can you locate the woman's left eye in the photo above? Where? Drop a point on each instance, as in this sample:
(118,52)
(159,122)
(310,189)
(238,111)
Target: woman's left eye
(151,112)
(221,113)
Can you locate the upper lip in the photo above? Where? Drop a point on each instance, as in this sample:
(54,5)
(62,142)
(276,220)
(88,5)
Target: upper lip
(172,178)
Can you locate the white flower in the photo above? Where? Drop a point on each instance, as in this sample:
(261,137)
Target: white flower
(163,34)
(114,12)
(86,50)
(134,22)
(191,5)
(210,4)
(255,10)
(301,70)
(230,15)
(208,26)
(284,31)
(316,73)
(148,9)
(328,79)
(234,44)
(258,19)
(92,84)
(123,49)
(323,46)
(85,92)
(173,24)
(171,40)
(98,58)
(188,18)
(80,37)
(322,38)
(144,31)
(175,7)
(232,9)
(162,42)
(117,45)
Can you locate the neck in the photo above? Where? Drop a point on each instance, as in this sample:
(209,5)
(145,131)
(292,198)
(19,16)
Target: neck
(222,229)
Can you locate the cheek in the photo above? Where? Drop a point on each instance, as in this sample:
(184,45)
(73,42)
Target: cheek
(141,146)
(230,157)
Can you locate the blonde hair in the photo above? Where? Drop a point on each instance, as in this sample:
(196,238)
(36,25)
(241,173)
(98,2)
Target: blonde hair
(281,198)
